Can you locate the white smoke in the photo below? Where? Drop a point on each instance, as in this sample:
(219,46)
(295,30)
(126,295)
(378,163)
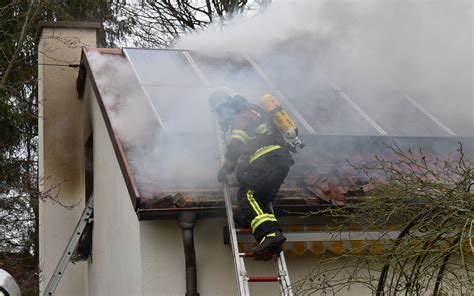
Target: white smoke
(423,48)
(122,97)
(374,50)
(179,154)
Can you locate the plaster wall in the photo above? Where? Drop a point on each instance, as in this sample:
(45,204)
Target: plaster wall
(115,268)
(61,150)
(164,267)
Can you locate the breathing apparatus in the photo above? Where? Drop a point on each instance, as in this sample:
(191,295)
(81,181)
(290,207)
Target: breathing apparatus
(282,120)
(227,103)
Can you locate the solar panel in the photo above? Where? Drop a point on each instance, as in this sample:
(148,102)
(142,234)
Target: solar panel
(176,85)
(397,115)
(314,97)
(183,109)
(173,84)
(162,68)
(231,70)
(454,108)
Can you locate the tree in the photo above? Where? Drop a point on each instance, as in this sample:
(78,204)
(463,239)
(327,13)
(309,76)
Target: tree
(114,26)
(19,194)
(18,146)
(154,23)
(160,23)
(431,201)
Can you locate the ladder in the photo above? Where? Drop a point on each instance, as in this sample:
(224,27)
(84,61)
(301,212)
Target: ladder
(243,279)
(70,248)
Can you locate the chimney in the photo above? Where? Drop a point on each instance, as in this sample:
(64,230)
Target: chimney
(61,146)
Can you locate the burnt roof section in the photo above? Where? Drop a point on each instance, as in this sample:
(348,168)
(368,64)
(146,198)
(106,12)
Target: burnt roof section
(173,86)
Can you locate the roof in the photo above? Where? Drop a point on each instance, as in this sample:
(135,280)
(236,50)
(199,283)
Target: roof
(155,106)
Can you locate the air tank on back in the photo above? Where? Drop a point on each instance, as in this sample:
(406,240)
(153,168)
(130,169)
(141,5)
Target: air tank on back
(282,120)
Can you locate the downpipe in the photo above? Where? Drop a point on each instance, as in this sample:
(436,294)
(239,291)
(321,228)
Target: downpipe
(186,221)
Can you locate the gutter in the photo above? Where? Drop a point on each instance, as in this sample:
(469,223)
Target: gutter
(186,221)
(219,212)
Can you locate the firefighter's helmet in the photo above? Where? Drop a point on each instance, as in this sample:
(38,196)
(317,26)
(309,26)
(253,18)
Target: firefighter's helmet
(226,103)
(220,97)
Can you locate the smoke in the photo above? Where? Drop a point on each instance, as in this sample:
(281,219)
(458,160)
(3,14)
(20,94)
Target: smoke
(377,52)
(122,97)
(162,157)
(373,49)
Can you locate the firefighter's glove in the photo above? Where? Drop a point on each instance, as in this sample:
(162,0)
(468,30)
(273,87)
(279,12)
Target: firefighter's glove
(223,172)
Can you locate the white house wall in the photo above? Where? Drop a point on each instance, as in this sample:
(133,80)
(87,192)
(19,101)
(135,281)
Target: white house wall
(116,261)
(61,149)
(162,257)
(164,267)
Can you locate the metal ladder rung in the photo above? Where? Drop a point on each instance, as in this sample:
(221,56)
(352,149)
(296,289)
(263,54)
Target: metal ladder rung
(263,279)
(243,230)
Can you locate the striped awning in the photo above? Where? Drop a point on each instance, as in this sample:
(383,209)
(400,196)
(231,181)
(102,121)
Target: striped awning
(335,239)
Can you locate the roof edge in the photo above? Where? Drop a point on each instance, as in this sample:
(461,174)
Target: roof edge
(117,51)
(295,211)
(116,143)
(81,78)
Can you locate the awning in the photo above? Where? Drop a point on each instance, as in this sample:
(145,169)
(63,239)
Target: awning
(336,239)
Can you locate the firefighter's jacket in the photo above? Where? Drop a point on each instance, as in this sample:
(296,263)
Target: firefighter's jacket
(252,136)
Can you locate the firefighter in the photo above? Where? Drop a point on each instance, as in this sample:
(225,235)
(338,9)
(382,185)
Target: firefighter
(257,153)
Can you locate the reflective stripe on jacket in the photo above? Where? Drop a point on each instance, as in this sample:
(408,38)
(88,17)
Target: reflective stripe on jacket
(251,135)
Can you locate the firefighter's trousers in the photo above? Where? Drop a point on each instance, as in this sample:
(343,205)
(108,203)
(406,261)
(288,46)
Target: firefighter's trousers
(260,182)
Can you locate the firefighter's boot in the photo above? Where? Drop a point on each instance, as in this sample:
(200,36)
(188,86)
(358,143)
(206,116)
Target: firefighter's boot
(270,245)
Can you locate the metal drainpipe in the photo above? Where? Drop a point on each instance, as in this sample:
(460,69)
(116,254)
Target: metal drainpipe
(186,220)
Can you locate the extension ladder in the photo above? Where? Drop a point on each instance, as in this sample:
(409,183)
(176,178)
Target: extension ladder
(243,279)
(70,248)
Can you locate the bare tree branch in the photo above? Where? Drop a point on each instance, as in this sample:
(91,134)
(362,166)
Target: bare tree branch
(31,13)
